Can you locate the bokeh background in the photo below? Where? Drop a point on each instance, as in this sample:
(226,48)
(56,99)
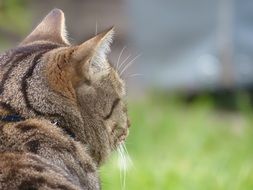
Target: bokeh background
(188,67)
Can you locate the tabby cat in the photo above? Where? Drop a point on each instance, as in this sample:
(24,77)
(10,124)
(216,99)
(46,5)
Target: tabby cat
(61,110)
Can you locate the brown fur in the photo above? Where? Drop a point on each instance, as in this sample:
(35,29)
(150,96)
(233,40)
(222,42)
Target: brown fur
(71,100)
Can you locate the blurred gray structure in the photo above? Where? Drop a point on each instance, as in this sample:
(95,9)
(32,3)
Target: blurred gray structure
(195,44)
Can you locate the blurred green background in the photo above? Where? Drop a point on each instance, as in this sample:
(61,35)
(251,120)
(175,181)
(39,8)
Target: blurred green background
(194,137)
(174,145)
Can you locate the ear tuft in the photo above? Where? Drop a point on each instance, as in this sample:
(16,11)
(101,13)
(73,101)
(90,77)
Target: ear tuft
(52,29)
(101,50)
(96,49)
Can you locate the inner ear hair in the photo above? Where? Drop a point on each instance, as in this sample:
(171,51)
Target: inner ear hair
(97,49)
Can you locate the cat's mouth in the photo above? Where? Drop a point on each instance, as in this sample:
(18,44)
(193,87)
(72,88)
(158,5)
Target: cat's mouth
(119,133)
(120,136)
(123,137)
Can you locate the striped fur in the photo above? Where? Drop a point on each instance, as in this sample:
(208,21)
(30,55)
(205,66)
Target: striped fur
(71,99)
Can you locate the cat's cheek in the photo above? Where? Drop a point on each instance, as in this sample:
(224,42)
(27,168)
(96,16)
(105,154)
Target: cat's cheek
(110,126)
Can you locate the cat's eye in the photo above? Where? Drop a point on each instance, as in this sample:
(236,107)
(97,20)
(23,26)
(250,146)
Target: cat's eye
(114,104)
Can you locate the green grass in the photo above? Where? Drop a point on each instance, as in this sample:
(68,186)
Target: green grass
(175,146)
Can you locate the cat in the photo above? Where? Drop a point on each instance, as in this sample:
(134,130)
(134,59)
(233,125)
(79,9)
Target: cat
(61,110)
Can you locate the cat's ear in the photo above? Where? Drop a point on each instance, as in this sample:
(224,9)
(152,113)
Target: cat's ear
(76,64)
(52,29)
(95,50)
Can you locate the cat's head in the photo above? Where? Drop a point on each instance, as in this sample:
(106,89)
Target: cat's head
(72,85)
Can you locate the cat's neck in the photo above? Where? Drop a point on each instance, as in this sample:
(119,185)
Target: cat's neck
(97,148)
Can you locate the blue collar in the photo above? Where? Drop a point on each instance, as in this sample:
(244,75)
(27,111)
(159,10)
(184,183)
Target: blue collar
(11,118)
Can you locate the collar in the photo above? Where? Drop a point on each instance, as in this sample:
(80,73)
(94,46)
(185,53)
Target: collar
(11,118)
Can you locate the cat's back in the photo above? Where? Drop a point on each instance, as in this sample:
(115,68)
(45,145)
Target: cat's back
(25,171)
(35,154)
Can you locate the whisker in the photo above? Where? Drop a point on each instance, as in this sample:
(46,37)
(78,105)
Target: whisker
(124,169)
(124,62)
(120,56)
(135,75)
(122,165)
(96,30)
(129,64)
(127,154)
